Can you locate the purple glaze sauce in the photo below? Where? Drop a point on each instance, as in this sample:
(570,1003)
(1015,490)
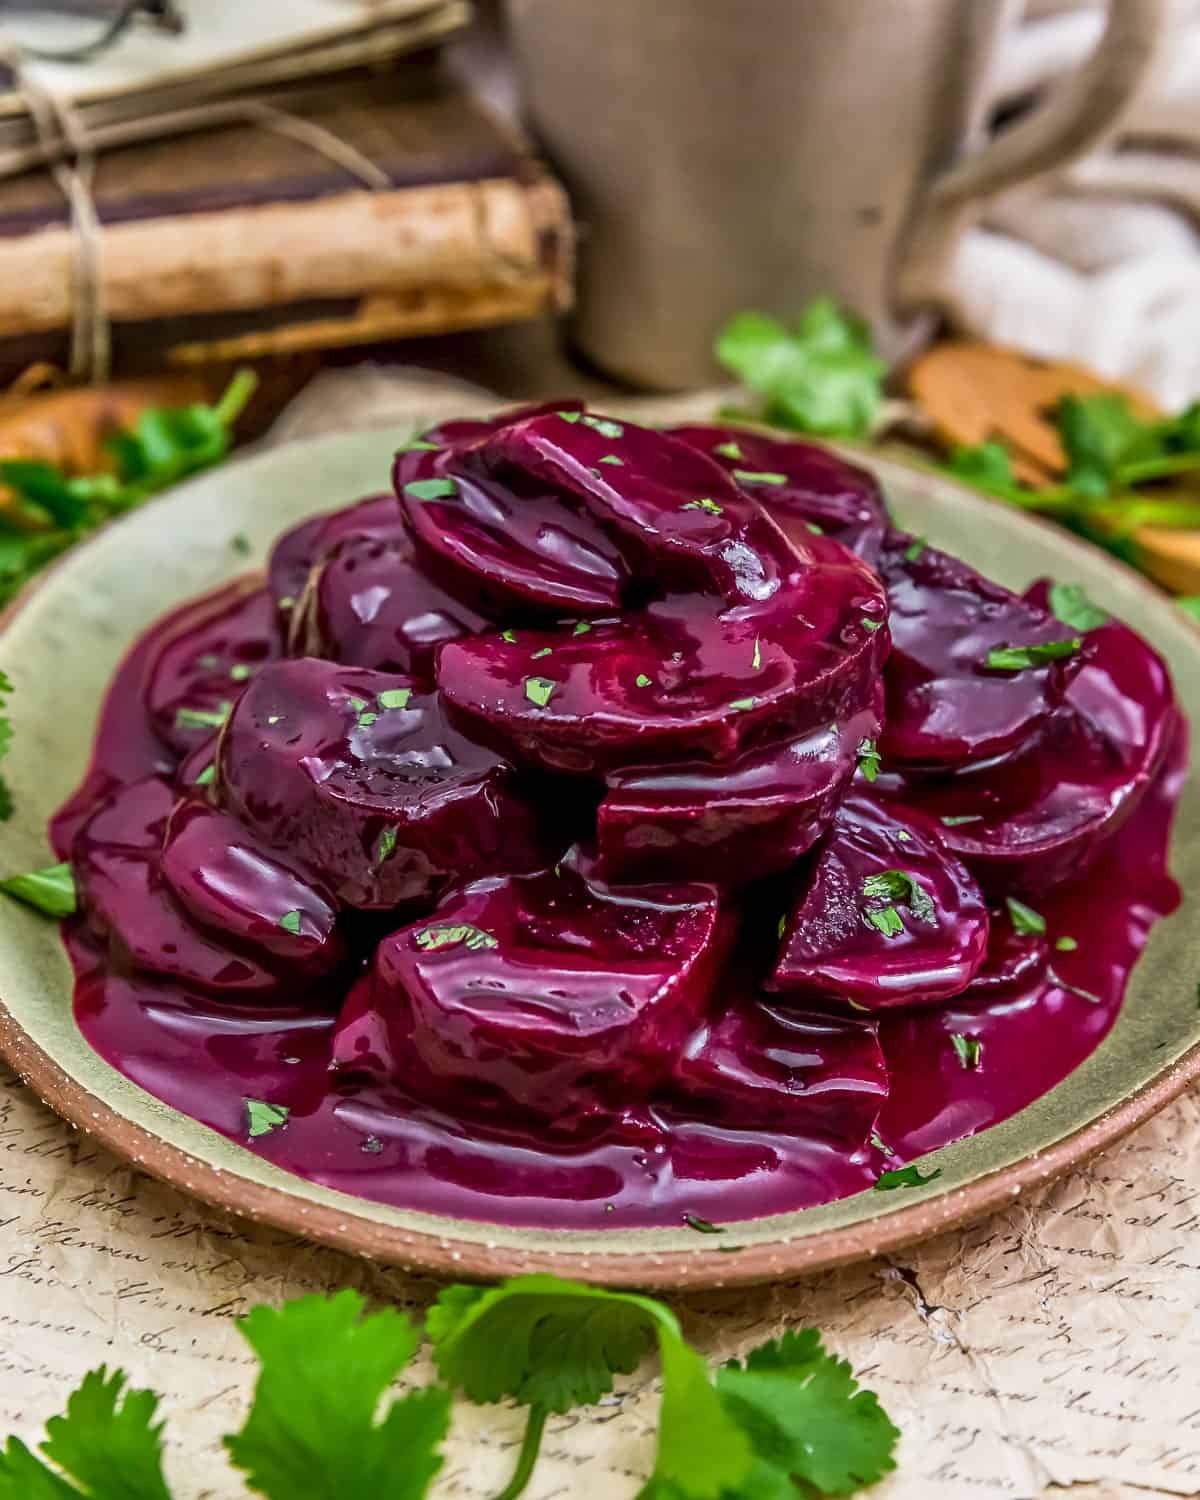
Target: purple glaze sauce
(697,1081)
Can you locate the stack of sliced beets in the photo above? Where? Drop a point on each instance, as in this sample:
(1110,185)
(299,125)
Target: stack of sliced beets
(601,766)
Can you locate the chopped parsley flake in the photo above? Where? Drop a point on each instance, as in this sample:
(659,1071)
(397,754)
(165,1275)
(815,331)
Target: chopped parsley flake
(386,845)
(202,718)
(641,680)
(290,921)
(433,938)
(1070,604)
(365,720)
(1025,920)
(956,820)
(604,426)
(710,506)
(240,671)
(815,529)
(262,1117)
(1066,945)
(886,920)
(372,1144)
(750,476)
(507,635)
(880,1144)
(417,445)
(782,927)
(740,705)
(611,458)
(872,625)
(914,549)
(431,489)
(756,661)
(899,885)
(207,776)
(729,450)
(1017,658)
(702,1226)
(537,655)
(905,1177)
(569,416)
(274,718)
(869,759)
(208,661)
(286,602)
(969,1049)
(357,704)
(581,627)
(539,690)
(395,697)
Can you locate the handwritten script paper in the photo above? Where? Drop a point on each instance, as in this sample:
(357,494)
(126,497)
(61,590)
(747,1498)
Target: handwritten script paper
(1049,1351)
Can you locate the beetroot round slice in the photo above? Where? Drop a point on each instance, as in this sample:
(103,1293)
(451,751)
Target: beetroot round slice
(888,917)
(734,823)
(507,545)
(945,707)
(299,550)
(209,650)
(799,485)
(356,774)
(551,997)
(687,678)
(1014,960)
(1036,820)
(252,897)
(762,1067)
(368,605)
(464,430)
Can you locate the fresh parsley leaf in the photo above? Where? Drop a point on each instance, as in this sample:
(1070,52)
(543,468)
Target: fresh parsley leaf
(904,1177)
(885,919)
(901,886)
(539,690)
(1070,604)
(750,476)
(822,377)
(756,659)
(50,890)
(969,1049)
(1017,658)
(605,426)
(290,921)
(537,655)
(417,445)
(988,467)
(913,551)
(433,938)
(869,759)
(392,698)
(202,718)
(1100,434)
(641,680)
(581,627)
(1025,920)
(956,820)
(207,776)
(702,1226)
(742,705)
(806,1417)
(1066,945)
(386,845)
(262,1118)
(315,1431)
(431,489)
(507,635)
(611,458)
(728,450)
(709,505)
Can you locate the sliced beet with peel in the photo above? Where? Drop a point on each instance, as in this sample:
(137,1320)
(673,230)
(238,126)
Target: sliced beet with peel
(729,823)
(946,708)
(207,654)
(1034,820)
(887,916)
(368,604)
(688,677)
(553,997)
(799,485)
(299,550)
(357,774)
(766,1067)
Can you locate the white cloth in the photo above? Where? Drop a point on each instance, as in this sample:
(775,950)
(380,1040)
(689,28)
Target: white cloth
(1099,264)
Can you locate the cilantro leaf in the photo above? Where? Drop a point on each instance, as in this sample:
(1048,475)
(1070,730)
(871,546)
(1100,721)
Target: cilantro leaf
(1025,920)
(905,1177)
(50,890)
(1070,604)
(806,1416)
(312,1433)
(24,1477)
(886,919)
(824,377)
(1099,435)
(1017,658)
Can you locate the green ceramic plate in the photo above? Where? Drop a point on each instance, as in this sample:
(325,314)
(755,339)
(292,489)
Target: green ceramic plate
(60,646)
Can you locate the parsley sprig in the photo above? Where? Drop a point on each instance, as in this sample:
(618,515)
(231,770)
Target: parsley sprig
(787,1421)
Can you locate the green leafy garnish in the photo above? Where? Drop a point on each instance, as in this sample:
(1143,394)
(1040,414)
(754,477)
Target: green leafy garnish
(969,1049)
(641,680)
(581,627)
(507,635)
(262,1117)
(915,548)
(901,886)
(956,820)
(871,625)
(290,921)
(537,655)
(417,445)
(1017,658)
(392,698)
(569,416)
(386,846)
(749,476)
(207,776)
(50,890)
(1190,605)
(702,1226)
(869,760)
(316,1430)
(202,718)
(709,505)
(728,450)
(1070,604)
(611,458)
(605,426)
(431,489)
(433,938)
(740,705)
(1066,944)
(905,1177)
(240,672)
(885,919)
(756,659)
(1025,920)
(539,690)
(822,377)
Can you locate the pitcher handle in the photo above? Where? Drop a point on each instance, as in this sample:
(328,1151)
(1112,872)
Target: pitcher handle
(1076,116)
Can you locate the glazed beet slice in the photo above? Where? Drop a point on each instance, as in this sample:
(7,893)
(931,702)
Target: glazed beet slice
(689,677)
(369,605)
(464,430)
(129,910)
(1036,820)
(733,823)
(1014,960)
(356,774)
(254,898)
(507,545)
(799,484)
(887,917)
(677,516)
(763,1067)
(299,550)
(551,997)
(207,654)
(945,707)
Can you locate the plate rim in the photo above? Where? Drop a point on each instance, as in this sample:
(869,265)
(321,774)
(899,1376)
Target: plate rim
(704,1267)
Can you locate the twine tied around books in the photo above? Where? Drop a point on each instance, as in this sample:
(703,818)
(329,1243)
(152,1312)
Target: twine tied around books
(68,150)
